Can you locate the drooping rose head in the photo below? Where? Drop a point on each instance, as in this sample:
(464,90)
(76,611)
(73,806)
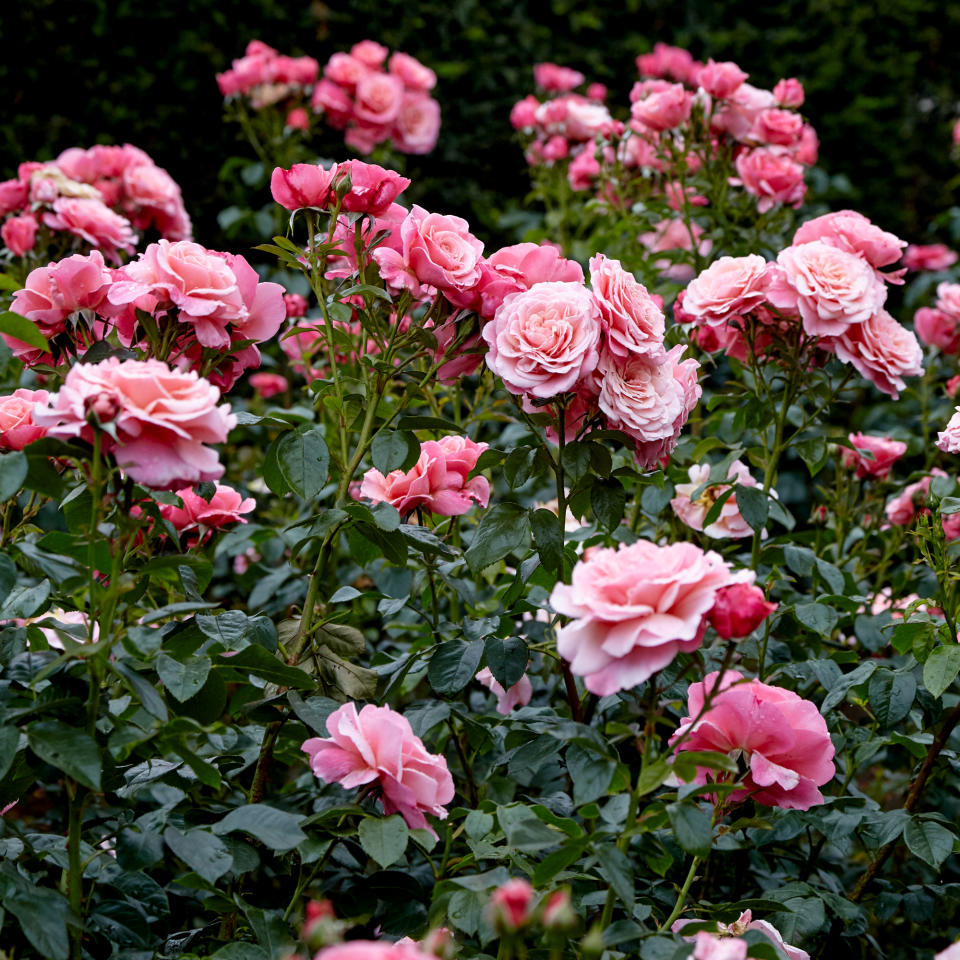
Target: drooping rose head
(772,177)
(872,456)
(784,740)
(730,287)
(545,340)
(633,323)
(721,80)
(378,745)
(17,428)
(634,608)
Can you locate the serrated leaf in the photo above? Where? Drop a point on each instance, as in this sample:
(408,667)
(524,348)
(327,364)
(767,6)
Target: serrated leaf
(201,851)
(754,506)
(502,529)
(941,668)
(68,749)
(183,678)
(929,841)
(384,840)
(277,829)
(303,460)
(507,659)
(454,664)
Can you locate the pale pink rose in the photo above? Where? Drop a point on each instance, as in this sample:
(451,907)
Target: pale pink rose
(721,80)
(709,947)
(674,234)
(948,439)
(741,925)
(739,609)
(953,951)
(370,950)
(663,110)
(789,92)
(522,116)
(370,52)
(634,608)
(417,124)
(782,738)
(518,267)
(852,232)
(94,222)
(730,287)
(771,176)
(556,79)
(226,506)
(377,99)
(378,745)
(938,329)
(17,428)
(948,299)
(883,453)
(436,482)
(412,72)
(903,509)
(152,197)
(778,127)
(303,344)
(345,70)
(516,696)
(882,351)
(736,116)
(511,906)
(303,185)
(544,341)
(159,419)
(57,623)
(632,322)
(730,522)
(931,256)
(834,289)
(585,119)
(19,234)
(268,384)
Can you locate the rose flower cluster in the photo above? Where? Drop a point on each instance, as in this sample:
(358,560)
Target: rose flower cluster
(97,198)
(828,285)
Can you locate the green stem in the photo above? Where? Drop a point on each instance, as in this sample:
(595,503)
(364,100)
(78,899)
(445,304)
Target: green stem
(75,865)
(682,895)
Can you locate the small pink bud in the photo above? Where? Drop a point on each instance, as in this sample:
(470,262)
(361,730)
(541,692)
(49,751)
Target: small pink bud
(739,609)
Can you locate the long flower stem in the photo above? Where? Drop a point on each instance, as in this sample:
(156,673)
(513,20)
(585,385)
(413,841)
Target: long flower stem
(682,895)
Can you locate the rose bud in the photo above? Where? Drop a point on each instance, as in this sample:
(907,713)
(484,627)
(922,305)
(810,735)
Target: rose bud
(738,610)
(558,913)
(509,906)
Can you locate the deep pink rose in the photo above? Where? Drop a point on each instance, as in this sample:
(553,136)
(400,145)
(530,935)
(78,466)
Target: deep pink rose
(632,322)
(738,610)
(378,745)
(516,696)
(771,176)
(583,170)
(730,522)
(783,739)
(417,124)
(159,419)
(268,384)
(834,289)
(94,222)
(152,197)
(226,506)
(721,80)
(370,950)
(789,92)
(663,110)
(303,185)
(882,454)
(882,351)
(511,906)
(902,510)
(634,608)
(523,114)
(730,287)
(854,233)
(931,256)
(333,101)
(13,196)
(17,428)
(544,341)
(938,329)
(19,233)
(374,188)
(412,72)
(556,79)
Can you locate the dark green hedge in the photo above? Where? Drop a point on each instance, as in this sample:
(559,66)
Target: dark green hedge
(881,77)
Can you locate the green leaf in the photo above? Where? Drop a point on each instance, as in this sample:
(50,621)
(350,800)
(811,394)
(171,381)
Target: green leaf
(9,742)
(547,537)
(183,678)
(817,617)
(608,500)
(8,576)
(303,460)
(941,669)
(201,851)
(502,529)
(813,452)
(261,663)
(617,871)
(13,471)
(384,840)
(576,459)
(23,329)
(891,696)
(23,602)
(929,841)
(43,914)
(68,749)
(392,449)
(277,829)
(525,830)
(507,659)
(652,775)
(753,505)
(518,466)
(559,860)
(454,664)
(590,771)
(692,827)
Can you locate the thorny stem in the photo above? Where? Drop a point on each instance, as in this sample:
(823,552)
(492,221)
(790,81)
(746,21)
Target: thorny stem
(682,895)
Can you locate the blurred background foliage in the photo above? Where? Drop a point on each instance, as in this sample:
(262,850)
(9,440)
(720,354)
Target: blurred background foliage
(881,79)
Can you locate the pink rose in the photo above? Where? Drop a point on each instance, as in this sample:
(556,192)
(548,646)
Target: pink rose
(377,745)
(516,696)
(412,72)
(556,79)
(437,481)
(303,185)
(882,351)
(545,340)
(17,428)
(19,233)
(675,234)
(153,198)
(729,523)
(333,101)
(295,305)
(953,951)
(345,70)
(632,322)
(519,267)
(736,116)
(522,116)
(737,929)
(663,110)
(94,222)
(771,176)
(556,148)
(721,80)
(783,739)
(667,61)
(808,149)
(417,125)
(297,119)
(730,287)
(931,256)
(938,329)
(952,386)
(779,127)
(511,906)
(13,196)
(159,419)
(882,454)
(852,232)
(268,384)
(373,188)
(226,506)
(789,92)
(948,439)
(911,501)
(948,298)
(583,170)
(834,289)
(739,609)
(370,950)
(634,608)
(377,99)
(370,53)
